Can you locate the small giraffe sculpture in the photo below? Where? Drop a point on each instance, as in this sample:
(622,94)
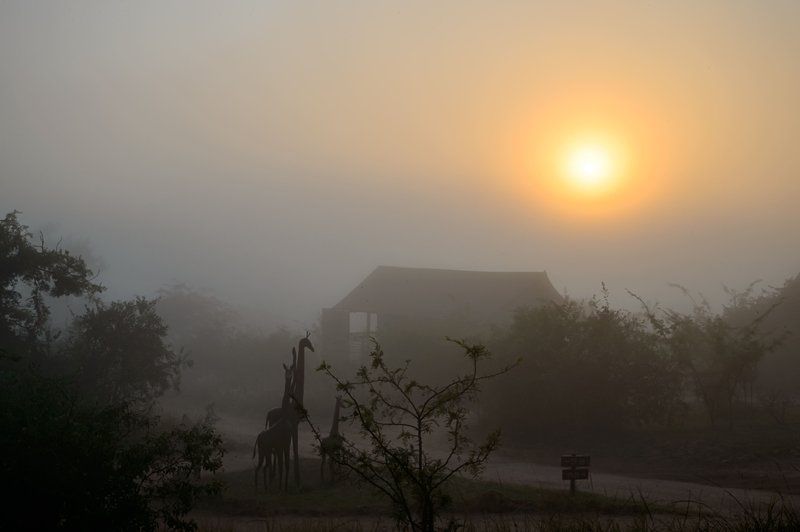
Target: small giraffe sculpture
(276,414)
(331,446)
(276,440)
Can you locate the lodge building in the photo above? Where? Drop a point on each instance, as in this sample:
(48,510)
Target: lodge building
(392,297)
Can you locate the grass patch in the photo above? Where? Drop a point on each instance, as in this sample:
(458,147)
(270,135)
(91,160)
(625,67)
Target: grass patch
(477,506)
(240,496)
(479,496)
(348,498)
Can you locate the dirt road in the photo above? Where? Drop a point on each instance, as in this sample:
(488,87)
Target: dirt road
(653,490)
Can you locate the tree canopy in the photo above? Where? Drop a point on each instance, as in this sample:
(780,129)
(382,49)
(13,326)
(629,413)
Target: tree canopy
(79,440)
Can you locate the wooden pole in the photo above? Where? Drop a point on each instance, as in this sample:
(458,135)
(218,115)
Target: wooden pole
(572,480)
(367,342)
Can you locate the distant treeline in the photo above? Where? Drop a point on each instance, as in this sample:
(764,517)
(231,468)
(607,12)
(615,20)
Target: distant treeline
(585,365)
(235,366)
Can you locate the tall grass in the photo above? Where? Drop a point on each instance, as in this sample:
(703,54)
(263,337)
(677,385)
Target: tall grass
(778,516)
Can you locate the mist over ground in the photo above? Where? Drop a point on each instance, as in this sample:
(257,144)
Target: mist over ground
(429,265)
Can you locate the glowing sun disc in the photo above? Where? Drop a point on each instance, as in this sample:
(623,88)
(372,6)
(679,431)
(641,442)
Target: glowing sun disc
(590,168)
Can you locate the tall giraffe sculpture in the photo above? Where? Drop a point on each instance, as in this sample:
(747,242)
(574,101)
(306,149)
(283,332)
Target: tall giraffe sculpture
(331,445)
(298,389)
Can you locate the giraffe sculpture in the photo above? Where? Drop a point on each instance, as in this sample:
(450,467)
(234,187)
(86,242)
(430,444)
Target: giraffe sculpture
(276,439)
(331,445)
(298,388)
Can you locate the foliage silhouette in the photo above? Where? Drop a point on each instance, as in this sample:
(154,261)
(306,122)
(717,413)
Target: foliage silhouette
(719,356)
(587,368)
(397,417)
(79,441)
(29,273)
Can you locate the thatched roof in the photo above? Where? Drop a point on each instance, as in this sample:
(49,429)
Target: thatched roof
(433,293)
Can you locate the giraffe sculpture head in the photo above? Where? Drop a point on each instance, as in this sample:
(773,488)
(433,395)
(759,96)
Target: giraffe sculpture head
(305,343)
(288,375)
(288,382)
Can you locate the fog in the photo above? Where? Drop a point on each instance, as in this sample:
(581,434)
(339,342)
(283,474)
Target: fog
(535,264)
(274,154)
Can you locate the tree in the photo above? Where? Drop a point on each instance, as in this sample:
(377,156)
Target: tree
(29,273)
(720,355)
(397,417)
(79,443)
(121,352)
(587,368)
(76,464)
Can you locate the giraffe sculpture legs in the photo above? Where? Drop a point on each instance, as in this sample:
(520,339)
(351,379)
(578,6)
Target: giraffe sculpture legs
(296,456)
(258,468)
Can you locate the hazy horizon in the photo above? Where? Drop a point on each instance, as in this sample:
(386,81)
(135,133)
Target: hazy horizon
(275,155)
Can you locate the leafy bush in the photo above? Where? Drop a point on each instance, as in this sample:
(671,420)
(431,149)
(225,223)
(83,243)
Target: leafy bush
(398,418)
(584,367)
(81,465)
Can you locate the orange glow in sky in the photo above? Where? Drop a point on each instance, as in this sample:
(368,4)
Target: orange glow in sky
(597,154)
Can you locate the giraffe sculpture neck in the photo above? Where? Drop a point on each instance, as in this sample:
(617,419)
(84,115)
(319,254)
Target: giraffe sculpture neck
(300,371)
(287,392)
(335,422)
(300,375)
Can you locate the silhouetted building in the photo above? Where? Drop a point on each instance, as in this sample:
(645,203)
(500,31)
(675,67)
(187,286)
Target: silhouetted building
(413,297)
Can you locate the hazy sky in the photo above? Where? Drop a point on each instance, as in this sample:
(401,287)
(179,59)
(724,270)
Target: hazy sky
(276,152)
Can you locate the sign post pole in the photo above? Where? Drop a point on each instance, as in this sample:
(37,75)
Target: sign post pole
(572,478)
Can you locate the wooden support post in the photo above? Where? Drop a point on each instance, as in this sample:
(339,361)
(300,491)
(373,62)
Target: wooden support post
(572,480)
(368,336)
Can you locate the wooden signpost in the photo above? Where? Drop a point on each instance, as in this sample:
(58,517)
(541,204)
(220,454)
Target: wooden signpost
(578,465)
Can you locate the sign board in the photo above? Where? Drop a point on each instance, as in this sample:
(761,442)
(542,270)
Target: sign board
(574,474)
(575,460)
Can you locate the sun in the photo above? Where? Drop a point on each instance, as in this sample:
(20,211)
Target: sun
(582,160)
(590,167)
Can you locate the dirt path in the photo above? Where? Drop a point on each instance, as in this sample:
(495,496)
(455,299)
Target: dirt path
(724,500)
(653,490)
